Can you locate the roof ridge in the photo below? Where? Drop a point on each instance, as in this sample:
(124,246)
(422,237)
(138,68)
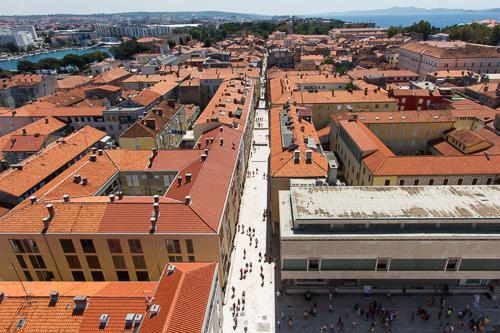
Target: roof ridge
(174,300)
(201,218)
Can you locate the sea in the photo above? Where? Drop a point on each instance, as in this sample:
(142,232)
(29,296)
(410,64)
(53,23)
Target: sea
(11,65)
(437,20)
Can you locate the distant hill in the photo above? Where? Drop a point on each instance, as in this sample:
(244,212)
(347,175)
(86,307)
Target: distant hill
(406,11)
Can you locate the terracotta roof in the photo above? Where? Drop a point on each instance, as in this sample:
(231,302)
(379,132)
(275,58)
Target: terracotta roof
(282,162)
(24,143)
(111,76)
(39,167)
(382,117)
(452,50)
(466,137)
(72,81)
(182,295)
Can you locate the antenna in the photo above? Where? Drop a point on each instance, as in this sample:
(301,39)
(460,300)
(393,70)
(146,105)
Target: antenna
(19,278)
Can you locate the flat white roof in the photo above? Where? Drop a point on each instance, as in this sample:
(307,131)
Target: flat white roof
(395,202)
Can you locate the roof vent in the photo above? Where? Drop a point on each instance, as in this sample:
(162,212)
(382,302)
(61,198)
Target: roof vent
(155,309)
(54,295)
(92,158)
(170,269)
(156,198)
(33,199)
(100,152)
(85,181)
(187,200)
(103,321)
(66,198)
(188,177)
(111,198)
(77,178)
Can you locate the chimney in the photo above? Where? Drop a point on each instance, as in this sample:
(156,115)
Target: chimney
(187,200)
(156,210)
(366,91)
(222,141)
(211,140)
(207,141)
(94,150)
(111,198)
(308,156)
(222,129)
(296,156)
(198,145)
(33,199)
(77,178)
(92,158)
(152,228)
(51,210)
(85,181)
(24,131)
(66,198)
(100,152)
(188,177)
(156,198)
(203,157)
(206,151)
(120,195)
(46,120)
(171,103)
(179,181)
(154,151)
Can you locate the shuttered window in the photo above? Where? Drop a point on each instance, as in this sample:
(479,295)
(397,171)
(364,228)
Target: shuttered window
(348,264)
(417,264)
(294,265)
(480,265)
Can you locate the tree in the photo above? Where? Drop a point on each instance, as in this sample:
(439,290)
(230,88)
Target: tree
(495,36)
(49,64)
(73,60)
(126,50)
(394,30)
(171,44)
(24,66)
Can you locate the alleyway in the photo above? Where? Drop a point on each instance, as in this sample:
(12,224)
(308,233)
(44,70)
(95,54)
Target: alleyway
(256,312)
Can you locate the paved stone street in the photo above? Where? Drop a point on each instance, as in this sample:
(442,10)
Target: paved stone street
(402,306)
(256,314)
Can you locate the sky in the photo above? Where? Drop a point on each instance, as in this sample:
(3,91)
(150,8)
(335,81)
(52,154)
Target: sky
(267,7)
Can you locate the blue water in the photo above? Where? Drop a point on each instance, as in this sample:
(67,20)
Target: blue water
(11,65)
(438,20)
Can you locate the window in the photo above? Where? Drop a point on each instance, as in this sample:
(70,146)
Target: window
(135,246)
(173,246)
(24,245)
(21,261)
(28,276)
(416,182)
(460,181)
(139,262)
(114,246)
(431,181)
(87,245)
(122,276)
(191,259)
(313,265)
(445,181)
(382,264)
(73,262)
(78,276)
(387,182)
(97,276)
(45,275)
(17,246)
(175,258)
(93,262)
(489,181)
(474,181)
(452,265)
(37,262)
(401,182)
(119,262)
(142,275)
(189,246)
(67,245)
